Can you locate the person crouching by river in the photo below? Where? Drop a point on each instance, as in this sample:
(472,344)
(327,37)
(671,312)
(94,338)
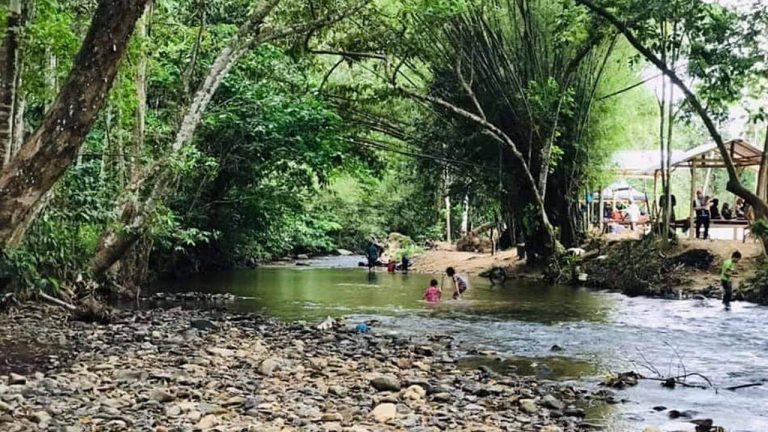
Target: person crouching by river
(726,277)
(460,283)
(433,293)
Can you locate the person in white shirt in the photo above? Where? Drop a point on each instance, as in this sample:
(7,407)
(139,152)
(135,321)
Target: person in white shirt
(633,213)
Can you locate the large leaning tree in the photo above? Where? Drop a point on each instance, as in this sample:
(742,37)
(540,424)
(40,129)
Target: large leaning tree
(49,151)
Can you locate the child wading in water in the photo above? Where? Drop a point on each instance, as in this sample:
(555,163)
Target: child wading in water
(433,293)
(726,275)
(460,284)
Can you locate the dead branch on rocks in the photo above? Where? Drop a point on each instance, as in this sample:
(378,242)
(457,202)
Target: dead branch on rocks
(57,302)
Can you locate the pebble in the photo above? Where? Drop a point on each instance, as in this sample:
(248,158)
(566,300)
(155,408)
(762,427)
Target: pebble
(385,383)
(169,370)
(269,366)
(41,417)
(207,422)
(529,406)
(16,379)
(332,417)
(552,402)
(414,392)
(161,395)
(441,397)
(384,412)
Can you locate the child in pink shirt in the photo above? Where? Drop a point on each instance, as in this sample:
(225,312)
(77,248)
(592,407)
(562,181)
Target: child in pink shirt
(433,293)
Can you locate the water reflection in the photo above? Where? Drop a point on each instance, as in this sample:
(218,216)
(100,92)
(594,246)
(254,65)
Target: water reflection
(311,293)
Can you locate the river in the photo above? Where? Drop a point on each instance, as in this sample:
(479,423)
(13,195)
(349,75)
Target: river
(522,321)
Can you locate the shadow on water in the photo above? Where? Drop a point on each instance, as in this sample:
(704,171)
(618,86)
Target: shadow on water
(597,331)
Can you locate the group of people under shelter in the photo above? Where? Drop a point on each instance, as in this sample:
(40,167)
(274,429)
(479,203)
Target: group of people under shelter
(708,208)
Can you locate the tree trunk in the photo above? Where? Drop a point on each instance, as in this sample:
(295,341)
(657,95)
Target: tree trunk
(134,268)
(20,230)
(19,107)
(51,77)
(762,176)
(139,127)
(48,152)
(465,217)
(448,219)
(116,241)
(9,68)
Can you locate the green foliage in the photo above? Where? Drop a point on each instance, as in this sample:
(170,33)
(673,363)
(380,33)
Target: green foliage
(759,228)
(303,152)
(755,289)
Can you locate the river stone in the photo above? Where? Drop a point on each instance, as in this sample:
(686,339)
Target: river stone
(441,397)
(343,252)
(651,429)
(529,406)
(207,422)
(234,400)
(414,392)
(552,402)
(161,395)
(173,411)
(202,324)
(41,417)
(16,379)
(194,415)
(4,407)
(384,412)
(474,407)
(386,383)
(332,417)
(338,390)
(221,352)
(269,366)
(550,428)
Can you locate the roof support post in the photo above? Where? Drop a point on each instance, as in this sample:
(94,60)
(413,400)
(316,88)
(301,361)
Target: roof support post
(691,222)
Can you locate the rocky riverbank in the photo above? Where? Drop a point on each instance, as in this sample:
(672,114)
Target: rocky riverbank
(176,370)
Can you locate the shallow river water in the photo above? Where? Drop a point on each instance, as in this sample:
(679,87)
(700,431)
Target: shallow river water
(522,321)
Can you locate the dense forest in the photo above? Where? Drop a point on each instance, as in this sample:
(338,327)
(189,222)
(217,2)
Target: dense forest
(169,136)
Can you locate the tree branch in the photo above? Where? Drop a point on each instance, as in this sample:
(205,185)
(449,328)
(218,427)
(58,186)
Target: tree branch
(468,89)
(494,132)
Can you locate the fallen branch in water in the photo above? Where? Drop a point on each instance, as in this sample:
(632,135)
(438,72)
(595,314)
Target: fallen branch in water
(741,386)
(672,382)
